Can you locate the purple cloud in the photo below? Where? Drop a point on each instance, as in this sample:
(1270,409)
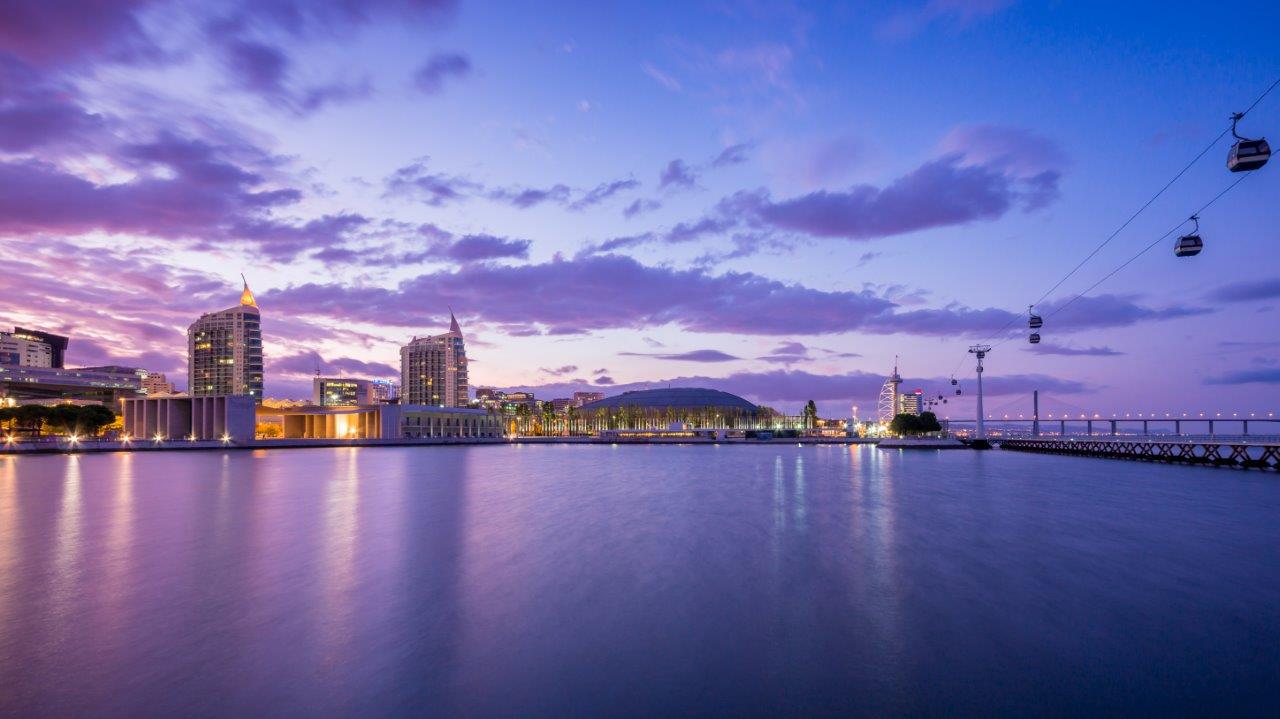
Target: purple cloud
(1249,291)
(430,77)
(625,294)
(732,155)
(908,22)
(938,194)
(37,112)
(1043,349)
(640,206)
(432,189)
(676,174)
(524,198)
(557,371)
(54,34)
(1269,375)
(690,356)
(306,363)
(478,248)
(602,192)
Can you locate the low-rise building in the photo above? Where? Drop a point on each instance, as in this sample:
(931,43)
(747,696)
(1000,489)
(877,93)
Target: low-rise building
(581,398)
(107,385)
(159,419)
(155,384)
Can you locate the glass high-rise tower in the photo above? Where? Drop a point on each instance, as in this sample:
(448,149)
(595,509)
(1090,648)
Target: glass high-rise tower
(433,370)
(224,351)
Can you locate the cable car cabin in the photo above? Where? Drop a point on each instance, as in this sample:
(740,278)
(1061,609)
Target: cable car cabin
(1248,155)
(954,381)
(1188,246)
(1036,322)
(1035,338)
(957,392)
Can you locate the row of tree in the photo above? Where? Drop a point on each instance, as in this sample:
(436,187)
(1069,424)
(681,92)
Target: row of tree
(86,420)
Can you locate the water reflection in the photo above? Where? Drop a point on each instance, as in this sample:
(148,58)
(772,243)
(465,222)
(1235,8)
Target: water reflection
(653,581)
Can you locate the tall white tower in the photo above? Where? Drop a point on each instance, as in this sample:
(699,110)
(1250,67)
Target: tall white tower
(887,405)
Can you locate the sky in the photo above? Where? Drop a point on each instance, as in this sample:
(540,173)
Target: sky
(768,198)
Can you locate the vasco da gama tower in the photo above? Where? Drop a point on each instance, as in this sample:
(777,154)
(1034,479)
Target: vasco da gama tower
(433,370)
(224,351)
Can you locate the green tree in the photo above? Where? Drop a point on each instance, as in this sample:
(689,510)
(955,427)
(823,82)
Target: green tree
(31,417)
(910,424)
(810,415)
(94,417)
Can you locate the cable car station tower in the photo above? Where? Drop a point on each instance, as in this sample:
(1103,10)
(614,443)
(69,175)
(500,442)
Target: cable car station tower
(980,436)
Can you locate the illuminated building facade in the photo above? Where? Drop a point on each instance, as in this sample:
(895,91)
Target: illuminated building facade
(433,370)
(224,351)
(22,351)
(57,344)
(911,402)
(341,391)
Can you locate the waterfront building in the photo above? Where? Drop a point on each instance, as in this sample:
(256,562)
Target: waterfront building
(155,384)
(57,344)
(23,351)
(163,419)
(382,421)
(341,391)
(433,370)
(224,351)
(561,404)
(581,398)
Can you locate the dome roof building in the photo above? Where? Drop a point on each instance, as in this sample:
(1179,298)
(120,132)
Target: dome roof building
(675,398)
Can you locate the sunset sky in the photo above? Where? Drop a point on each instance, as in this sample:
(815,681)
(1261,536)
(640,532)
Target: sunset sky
(766,198)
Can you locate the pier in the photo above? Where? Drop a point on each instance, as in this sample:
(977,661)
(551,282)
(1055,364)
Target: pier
(1213,453)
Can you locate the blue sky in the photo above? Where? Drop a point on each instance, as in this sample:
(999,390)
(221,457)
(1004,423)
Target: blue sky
(797,192)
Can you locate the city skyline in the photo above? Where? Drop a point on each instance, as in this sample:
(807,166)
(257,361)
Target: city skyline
(768,200)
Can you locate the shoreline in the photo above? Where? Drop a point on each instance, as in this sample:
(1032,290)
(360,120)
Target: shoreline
(102,447)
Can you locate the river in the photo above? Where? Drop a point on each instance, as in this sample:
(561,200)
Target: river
(634,581)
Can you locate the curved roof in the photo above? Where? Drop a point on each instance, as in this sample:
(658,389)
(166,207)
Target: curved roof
(683,397)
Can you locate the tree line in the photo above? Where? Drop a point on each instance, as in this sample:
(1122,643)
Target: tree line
(35,419)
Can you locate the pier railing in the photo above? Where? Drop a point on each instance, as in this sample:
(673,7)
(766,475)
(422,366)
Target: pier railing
(1213,453)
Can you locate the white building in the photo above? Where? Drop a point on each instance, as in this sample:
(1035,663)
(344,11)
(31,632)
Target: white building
(433,370)
(224,351)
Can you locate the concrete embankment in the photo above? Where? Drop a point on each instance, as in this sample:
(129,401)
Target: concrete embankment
(922,443)
(95,446)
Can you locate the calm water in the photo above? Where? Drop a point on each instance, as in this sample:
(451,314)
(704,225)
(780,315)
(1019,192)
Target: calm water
(595,580)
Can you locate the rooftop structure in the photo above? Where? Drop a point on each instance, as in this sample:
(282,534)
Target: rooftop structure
(675,397)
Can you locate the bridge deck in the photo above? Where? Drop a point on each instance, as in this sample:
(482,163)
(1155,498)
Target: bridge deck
(1212,453)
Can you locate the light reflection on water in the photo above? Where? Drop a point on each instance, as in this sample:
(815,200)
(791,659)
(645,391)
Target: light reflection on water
(647,580)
